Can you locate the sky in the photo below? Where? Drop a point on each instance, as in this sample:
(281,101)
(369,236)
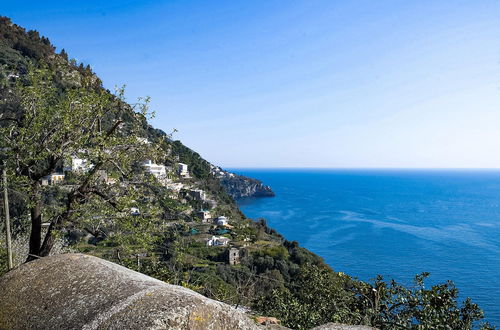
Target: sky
(312,83)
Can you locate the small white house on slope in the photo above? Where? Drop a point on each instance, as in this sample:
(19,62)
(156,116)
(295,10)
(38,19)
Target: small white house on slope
(217,241)
(183,170)
(159,171)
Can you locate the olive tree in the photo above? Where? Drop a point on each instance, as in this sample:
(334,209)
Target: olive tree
(44,124)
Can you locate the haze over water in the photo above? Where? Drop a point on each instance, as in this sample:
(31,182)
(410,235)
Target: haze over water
(396,223)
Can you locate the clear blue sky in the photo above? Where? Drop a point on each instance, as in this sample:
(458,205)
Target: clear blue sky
(299,83)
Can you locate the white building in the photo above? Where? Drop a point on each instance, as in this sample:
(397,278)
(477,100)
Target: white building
(217,241)
(183,170)
(221,221)
(159,171)
(135,211)
(80,165)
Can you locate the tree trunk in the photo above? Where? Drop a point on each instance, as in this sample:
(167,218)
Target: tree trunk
(48,242)
(50,239)
(36,225)
(55,225)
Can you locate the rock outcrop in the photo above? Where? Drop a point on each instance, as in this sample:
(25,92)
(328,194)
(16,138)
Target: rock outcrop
(75,291)
(239,186)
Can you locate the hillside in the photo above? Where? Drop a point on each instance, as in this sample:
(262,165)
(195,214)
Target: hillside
(88,173)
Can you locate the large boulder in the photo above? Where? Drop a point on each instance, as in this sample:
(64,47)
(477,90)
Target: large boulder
(76,291)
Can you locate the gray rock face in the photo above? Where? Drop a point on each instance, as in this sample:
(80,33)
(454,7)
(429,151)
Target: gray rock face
(239,186)
(75,291)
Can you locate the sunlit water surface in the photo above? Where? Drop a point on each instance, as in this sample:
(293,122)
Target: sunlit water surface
(396,223)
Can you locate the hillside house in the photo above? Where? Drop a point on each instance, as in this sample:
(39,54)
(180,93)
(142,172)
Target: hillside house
(53,179)
(159,171)
(234,256)
(204,215)
(198,194)
(217,241)
(221,221)
(183,170)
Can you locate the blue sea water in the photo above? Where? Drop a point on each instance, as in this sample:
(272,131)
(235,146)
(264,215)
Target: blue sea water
(396,223)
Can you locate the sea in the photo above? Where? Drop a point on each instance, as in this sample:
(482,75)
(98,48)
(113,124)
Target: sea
(396,223)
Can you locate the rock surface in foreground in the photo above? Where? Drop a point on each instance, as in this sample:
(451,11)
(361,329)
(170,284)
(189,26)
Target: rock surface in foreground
(75,291)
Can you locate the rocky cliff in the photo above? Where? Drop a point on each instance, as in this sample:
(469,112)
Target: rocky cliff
(239,186)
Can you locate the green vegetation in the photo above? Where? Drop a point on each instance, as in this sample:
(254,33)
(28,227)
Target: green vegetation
(319,296)
(53,109)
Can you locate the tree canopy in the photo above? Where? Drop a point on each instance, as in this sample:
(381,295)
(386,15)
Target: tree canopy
(53,124)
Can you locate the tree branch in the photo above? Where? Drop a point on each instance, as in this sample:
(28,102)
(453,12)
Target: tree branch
(107,199)
(113,129)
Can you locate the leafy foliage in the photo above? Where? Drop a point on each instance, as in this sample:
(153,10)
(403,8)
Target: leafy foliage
(414,308)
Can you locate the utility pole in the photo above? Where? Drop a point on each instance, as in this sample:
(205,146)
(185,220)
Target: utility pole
(7,216)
